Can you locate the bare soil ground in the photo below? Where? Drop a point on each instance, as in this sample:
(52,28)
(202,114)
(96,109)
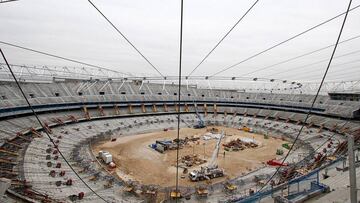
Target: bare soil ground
(135,160)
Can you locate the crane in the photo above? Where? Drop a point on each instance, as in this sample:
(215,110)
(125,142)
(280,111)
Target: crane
(211,170)
(212,162)
(201,123)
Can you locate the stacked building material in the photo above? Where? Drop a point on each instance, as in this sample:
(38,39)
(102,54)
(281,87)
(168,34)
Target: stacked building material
(238,144)
(191,160)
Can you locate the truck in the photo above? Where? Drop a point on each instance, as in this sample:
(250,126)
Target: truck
(211,170)
(206,173)
(105,156)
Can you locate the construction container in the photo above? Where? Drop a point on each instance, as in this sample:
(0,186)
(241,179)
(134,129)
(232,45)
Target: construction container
(160,148)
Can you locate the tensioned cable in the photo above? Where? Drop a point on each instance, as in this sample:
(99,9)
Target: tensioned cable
(351,70)
(313,73)
(314,63)
(299,56)
(313,102)
(128,41)
(306,73)
(344,76)
(57,56)
(7,1)
(283,42)
(43,127)
(179,100)
(222,39)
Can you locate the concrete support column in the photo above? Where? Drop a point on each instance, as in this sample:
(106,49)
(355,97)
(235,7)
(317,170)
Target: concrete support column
(352,170)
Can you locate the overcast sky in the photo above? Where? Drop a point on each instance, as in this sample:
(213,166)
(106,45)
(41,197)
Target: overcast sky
(74,29)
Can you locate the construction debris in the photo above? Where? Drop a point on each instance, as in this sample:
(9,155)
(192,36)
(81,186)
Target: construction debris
(210,135)
(149,190)
(130,187)
(279,152)
(240,144)
(192,160)
(109,184)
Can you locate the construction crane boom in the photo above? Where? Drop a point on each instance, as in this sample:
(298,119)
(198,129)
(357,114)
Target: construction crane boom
(212,162)
(201,123)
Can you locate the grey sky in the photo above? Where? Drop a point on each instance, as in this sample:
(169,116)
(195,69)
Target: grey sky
(74,29)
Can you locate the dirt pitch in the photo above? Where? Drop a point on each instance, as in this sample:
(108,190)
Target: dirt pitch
(135,160)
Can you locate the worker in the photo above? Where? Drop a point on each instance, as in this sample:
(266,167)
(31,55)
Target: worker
(81,195)
(224,154)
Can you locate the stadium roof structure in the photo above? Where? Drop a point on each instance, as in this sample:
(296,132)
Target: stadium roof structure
(44,74)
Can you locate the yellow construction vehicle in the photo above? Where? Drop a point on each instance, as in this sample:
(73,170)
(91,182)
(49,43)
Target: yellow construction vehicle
(229,187)
(245,129)
(175,194)
(202,191)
